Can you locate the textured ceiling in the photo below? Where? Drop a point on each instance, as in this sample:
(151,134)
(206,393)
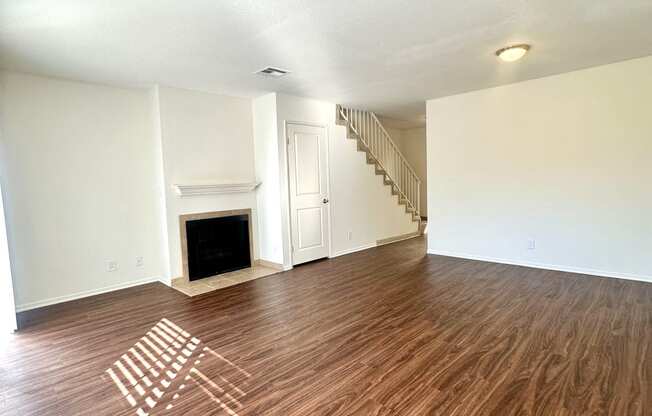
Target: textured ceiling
(388,56)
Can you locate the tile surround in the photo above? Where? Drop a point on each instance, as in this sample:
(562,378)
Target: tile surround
(199,287)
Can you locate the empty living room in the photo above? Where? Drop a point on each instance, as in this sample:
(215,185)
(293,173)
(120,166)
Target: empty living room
(304,208)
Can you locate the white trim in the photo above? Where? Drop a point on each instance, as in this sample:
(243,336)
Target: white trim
(329,190)
(404,237)
(555,267)
(305,123)
(86,293)
(353,250)
(268,264)
(184,191)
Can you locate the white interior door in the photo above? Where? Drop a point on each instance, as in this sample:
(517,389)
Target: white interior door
(308,171)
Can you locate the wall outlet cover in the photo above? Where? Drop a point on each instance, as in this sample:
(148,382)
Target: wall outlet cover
(111,266)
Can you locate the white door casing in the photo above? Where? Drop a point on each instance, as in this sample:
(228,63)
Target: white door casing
(308,182)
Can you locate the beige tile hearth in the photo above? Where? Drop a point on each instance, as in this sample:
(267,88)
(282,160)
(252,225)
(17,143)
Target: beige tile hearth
(221,281)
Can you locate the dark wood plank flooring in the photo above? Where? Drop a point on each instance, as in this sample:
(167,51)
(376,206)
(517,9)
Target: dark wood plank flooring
(387,331)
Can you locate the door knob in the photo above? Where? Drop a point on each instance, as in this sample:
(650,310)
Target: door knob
(325,201)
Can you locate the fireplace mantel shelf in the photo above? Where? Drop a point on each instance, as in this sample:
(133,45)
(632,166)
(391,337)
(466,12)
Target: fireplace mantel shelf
(185,191)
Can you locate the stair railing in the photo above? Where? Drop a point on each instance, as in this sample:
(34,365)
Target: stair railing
(388,157)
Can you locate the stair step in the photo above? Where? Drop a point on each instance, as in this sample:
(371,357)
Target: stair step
(350,134)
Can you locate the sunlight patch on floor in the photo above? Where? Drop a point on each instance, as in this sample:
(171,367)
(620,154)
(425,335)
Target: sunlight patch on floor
(164,361)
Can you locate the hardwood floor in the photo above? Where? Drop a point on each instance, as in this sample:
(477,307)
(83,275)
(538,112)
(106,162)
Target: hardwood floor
(387,331)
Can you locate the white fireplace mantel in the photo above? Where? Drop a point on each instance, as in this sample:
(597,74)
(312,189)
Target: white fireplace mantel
(184,191)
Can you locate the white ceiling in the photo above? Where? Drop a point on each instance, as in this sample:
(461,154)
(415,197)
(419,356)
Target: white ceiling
(388,56)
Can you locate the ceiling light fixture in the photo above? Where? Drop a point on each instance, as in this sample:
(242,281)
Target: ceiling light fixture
(513,53)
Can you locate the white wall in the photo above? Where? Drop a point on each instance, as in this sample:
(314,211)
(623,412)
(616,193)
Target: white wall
(564,160)
(270,234)
(80,182)
(206,138)
(7,302)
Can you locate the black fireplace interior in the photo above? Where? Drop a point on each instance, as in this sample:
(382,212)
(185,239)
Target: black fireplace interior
(217,245)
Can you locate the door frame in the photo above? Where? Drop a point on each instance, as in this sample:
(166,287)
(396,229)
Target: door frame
(286,142)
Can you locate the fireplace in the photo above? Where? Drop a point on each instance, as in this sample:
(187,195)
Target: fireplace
(215,242)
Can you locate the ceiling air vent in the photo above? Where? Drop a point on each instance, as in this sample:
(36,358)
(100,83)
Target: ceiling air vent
(270,71)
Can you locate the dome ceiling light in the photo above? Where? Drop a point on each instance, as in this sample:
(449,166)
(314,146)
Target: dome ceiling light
(513,53)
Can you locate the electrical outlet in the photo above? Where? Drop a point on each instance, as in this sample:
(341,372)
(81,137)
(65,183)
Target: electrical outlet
(140,262)
(111,266)
(531,244)
(349,235)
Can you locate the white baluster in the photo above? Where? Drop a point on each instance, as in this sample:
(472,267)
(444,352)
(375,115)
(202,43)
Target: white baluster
(371,136)
(372,131)
(366,130)
(355,116)
(364,127)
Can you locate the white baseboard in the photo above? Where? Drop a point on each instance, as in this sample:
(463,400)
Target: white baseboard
(269,264)
(60,299)
(353,250)
(398,238)
(555,267)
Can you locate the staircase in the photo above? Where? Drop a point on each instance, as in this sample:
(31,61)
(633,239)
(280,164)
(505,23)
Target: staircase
(382,152)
